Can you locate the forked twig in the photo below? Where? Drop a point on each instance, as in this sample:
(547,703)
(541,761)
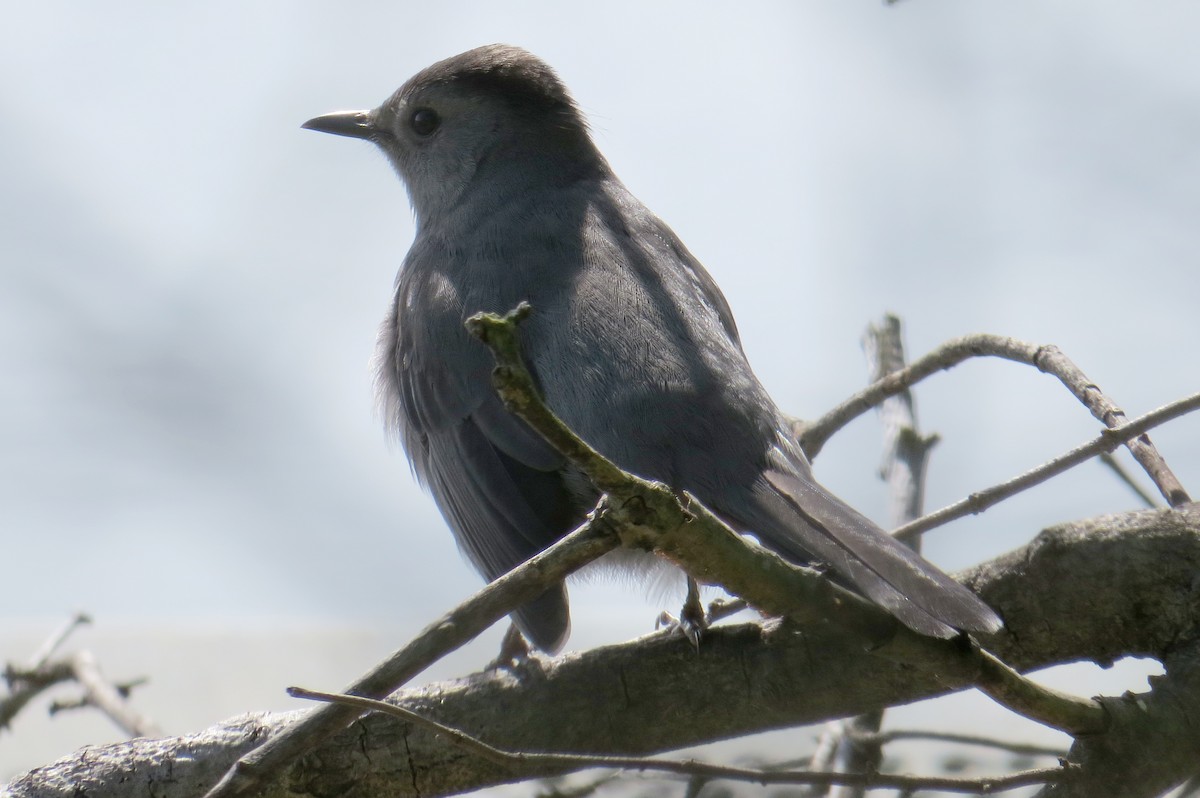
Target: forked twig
(45,671)
(1108,440)
(1045,358)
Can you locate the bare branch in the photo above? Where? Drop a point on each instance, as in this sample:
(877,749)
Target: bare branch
(905,453)
(1027,749)
(1111,461)
(571,762)
(107,697)
(1108,440)
(1046,358)
(25,685)
(58,638)
(1047,706)
(43,672)
(452,630)
(649,516)
(1093,590)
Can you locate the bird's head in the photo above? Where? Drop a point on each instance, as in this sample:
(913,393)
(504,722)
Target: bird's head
(478,127)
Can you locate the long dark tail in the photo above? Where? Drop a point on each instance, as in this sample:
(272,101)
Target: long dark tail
(804,522)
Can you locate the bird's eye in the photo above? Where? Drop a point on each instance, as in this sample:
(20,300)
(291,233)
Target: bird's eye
(424,121)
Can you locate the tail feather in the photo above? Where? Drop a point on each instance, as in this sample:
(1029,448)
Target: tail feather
(546,621)
(810,523)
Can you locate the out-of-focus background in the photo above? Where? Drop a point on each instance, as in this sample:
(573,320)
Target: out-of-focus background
(190,287)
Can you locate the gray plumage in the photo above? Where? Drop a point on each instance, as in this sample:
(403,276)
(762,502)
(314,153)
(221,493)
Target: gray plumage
(631,342)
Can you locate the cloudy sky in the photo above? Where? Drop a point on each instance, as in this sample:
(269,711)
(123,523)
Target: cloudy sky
(190,284)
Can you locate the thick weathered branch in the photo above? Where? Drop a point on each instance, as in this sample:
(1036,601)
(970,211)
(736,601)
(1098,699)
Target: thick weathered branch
(1153,744)
(1094,590)
(865,779)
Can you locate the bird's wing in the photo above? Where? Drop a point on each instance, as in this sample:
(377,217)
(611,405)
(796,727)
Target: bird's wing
(498,483)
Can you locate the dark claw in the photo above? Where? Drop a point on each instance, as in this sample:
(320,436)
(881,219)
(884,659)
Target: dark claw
(514,651)
(692,620)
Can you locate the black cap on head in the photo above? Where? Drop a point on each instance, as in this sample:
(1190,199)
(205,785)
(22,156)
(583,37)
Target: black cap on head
(505,70)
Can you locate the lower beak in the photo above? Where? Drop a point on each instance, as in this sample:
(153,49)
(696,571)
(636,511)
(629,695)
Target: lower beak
(355,124)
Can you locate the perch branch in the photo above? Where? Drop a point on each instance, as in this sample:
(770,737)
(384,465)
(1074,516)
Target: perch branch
(644,515)
(1097,589)
(689,534)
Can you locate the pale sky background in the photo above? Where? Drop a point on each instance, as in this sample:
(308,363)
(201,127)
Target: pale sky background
(190,284)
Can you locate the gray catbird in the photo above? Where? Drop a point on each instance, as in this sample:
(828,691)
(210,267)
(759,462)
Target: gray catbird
(631,343)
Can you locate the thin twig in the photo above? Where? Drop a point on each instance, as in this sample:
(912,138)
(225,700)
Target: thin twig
(454,629)
(1047,706)
(1106,441)
(516,388)
(1115,466)
(106,697)
(1027,749)
(723,608)
(81,667)
(518,760)
(25,684)
(43,654)
(1045,358)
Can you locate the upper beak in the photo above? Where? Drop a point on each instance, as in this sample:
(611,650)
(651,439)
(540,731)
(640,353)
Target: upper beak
(356,124)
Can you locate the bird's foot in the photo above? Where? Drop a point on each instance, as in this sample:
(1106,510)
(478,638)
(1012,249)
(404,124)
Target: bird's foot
(692,620)
(514,653)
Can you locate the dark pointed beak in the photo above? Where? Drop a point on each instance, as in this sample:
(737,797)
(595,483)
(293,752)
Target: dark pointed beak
(355,124)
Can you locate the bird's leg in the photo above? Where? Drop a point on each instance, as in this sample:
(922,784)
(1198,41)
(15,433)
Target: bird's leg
(514,651)
(692,620)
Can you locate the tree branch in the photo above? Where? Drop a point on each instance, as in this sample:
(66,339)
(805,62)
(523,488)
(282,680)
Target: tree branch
(650,516)
(25,683)
(693,768)
(1108,440)
(689,534)
(1098,590)
(905,453)
(260,767)
(1045,358)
